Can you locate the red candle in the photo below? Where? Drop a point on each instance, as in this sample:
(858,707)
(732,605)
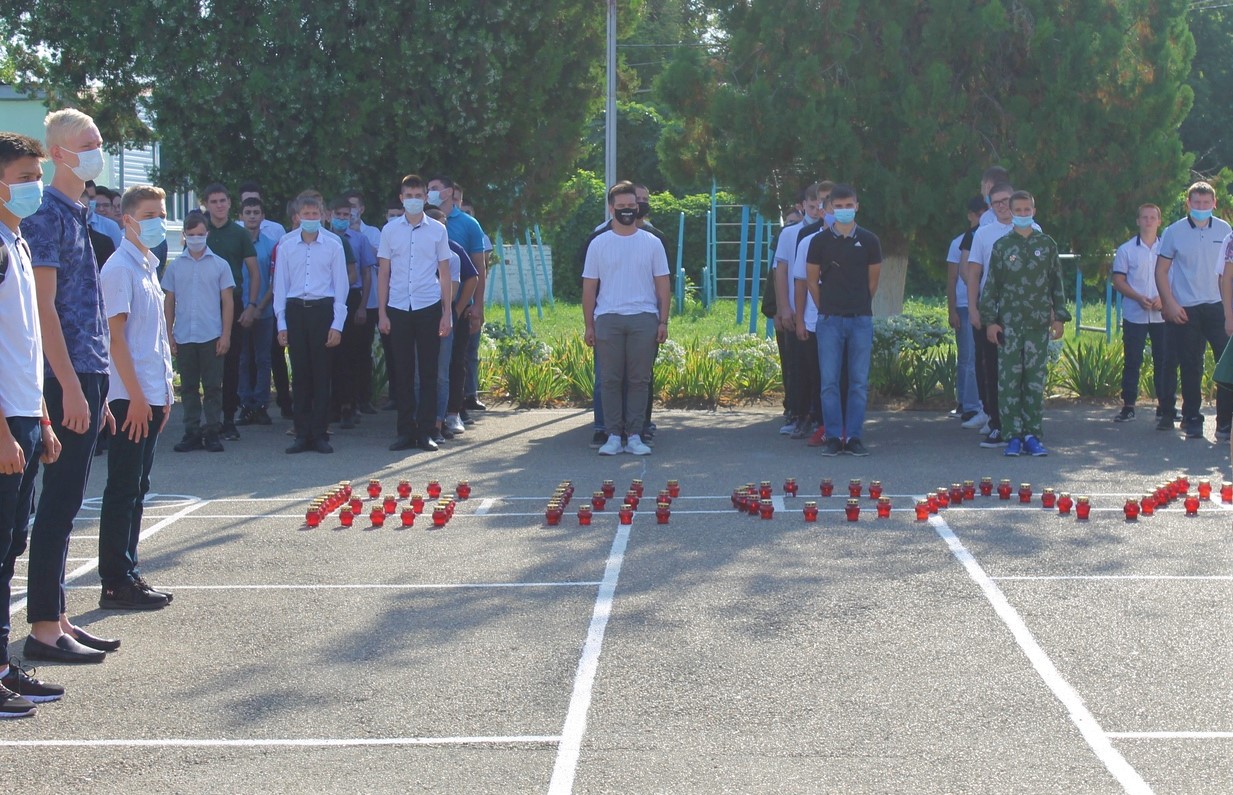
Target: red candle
(408,516)
(450,505)
(377,517)
(1163,495)
(956,494)
(439,517)
(884,507)
(663,496)
(609,489)
(346,517)
(932,502)
(1226,492)
(1192,505)
(1083,508)
(986,487)
(434,489)
(753,504)
(357,506)
(969,490)
(312,517)
(584,515)
(1147,505)
(1131,509)
(389,504)
(1025,492)
(811,511)
(1004,490)
(853,509)
(826,487)
(943,497)
(374,488)
(662,512)
(854,487)
(766,509)
(417,502)
(789,487)
(1183,484)
(552,515)
(463,490)
(1048,498)
(636,485)
(674,488)
(765,490)
(1205,490)
(345,485)
(632,499)
(404,489)
(1064,503)
(922,510)
(626,514)
(875,489)
(597,501)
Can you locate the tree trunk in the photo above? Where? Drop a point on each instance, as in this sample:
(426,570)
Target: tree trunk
(888,300)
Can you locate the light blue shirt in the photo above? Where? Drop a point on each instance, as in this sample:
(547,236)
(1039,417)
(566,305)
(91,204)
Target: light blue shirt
(197,286)
(105,226)
(130,287)
(1198,260)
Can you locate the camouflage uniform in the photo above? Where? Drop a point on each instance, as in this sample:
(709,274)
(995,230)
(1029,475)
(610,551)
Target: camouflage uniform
(1023,294)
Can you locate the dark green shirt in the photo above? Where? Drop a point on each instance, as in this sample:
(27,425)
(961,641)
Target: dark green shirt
(233,243)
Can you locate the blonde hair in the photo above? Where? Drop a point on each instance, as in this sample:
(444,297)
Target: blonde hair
(138,194)
(61,125)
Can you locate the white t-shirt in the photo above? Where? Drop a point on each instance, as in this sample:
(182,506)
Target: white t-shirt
(982,246)
(626,265)
(1138,263)
(785,252)
(21,342)
(799,274)
(953,256)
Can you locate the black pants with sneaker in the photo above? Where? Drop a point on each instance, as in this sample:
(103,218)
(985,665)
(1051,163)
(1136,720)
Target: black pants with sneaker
(16,502)
(987,375)
(278,374)
(346,366)
(415,339)
(231,364)
(128,481)
(1184,343)
(458,364)
(308,328)
(1134,335)
(363,368)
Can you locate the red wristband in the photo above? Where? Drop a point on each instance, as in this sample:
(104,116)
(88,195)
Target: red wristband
(46,423)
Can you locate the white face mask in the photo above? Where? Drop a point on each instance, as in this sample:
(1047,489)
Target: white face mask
(434,198)
(89,164)
(195,243)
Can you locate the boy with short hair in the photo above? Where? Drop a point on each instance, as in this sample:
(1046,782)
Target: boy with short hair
(199,307)
(257,345)
(1023,305)
(139,396)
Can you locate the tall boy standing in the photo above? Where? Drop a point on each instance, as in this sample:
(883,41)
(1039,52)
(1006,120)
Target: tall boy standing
(1134,276)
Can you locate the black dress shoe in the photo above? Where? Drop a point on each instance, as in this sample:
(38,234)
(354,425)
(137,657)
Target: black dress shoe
(101,644)
(66,650)
(322,446)
(403,443)
(365,408)
(130,596)
(428,445)
(300,445)
(473,404)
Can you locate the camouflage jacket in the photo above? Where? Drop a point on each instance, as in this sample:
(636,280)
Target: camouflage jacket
(1024,288)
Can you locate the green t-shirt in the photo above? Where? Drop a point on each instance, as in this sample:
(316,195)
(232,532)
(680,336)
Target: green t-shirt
(233,243)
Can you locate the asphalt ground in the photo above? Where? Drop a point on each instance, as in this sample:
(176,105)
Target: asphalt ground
(996,647)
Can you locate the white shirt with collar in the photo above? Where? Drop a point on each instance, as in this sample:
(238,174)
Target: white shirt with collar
(21,342)
(311,271)
(415,253)
(130,287)
(1137,262)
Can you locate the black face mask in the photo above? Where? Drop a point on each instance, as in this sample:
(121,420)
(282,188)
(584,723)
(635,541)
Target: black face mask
(626,217)
(644,209)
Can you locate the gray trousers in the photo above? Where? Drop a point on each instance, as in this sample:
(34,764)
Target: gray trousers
(200,368)
(625,347)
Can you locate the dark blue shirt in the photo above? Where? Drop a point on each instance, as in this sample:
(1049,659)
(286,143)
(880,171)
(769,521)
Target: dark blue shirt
(59,238)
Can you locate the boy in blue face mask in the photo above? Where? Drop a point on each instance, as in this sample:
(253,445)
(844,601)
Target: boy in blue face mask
(1024,306)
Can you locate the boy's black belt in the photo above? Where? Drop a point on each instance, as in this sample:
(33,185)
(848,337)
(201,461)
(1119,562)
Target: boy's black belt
(309,303)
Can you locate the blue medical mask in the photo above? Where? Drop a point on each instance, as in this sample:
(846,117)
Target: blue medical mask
(845,216)
(1200,215)
(153,231)
(339,225)
(195,243)
(413,206)
(434,198)
(311,227)
(93,205)
(1022,221)
(25,198)
(828,219)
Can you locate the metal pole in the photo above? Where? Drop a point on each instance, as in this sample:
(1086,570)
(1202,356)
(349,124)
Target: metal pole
(522,284)
(539,307)
(500,247)
(1078,299)
(610,140)
(543,264)
(680,265)
(756,286)
(741,267)
(1109,311)
(710,259)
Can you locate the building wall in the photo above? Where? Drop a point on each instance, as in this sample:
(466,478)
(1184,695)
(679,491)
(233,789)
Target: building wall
(23,114)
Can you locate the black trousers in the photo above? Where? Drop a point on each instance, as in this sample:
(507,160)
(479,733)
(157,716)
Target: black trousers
(231,363)
(1184,344)
(346,364)
(128,481)
(278,374)
(787,343)
(308,328)
(458,364)
(415,341)
(363,368)
(987,376)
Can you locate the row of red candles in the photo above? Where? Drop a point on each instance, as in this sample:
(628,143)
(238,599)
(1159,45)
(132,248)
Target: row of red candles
(599,500)
(352,505)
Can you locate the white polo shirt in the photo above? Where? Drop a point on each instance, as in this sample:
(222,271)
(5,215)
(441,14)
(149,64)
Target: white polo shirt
(21,342)
(1198,259)
(954,257)
(1137,262)
(130,287)
(415,253)
(799,273)
(785,253)
(626,265)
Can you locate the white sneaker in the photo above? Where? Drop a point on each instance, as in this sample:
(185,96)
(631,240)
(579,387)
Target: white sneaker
(453,424)
(635,446)
(786,430)
(980,419)
(612,446)
(985,429)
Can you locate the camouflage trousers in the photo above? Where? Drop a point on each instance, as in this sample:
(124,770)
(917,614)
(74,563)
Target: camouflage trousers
(1023,363)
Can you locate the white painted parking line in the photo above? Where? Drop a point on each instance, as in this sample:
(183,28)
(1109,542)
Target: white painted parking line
(566,766)
(368,586)
(1083,719)
(1171,735)
(484,507)
(1200,577)
(329,742)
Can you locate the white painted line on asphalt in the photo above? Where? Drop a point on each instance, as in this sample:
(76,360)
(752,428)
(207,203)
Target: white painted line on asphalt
(485,506)
(1083,719)
(86,568)
(370,586)
(1218,577)
(776,503)
(566,766)
(293,743)
(1171,735)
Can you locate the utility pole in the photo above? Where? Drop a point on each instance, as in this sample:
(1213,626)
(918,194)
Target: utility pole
(610,114)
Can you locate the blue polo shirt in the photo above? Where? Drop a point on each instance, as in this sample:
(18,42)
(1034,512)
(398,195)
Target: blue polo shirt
(465,231)
(265,248)
(59,238)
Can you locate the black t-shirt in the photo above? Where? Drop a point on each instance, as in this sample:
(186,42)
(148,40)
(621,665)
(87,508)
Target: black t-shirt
(966,243)
(843,278)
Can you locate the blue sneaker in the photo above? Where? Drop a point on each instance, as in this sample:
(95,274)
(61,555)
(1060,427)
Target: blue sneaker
(1033,446)
(1014,447)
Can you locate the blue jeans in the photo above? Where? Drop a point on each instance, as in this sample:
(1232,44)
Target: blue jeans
(834,332)
(64,487)
(965,375)
(128,481)
(443,374)
(1133,337)
(16,502)
(473,365)
(255,361)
